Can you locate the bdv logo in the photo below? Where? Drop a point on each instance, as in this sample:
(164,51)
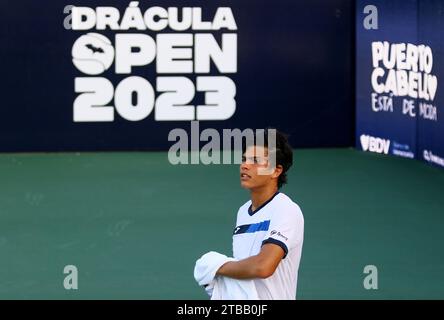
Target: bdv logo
(374,144)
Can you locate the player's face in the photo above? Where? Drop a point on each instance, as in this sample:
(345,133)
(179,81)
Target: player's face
(253,173)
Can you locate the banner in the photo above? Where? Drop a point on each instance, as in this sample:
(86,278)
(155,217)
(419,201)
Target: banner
(431,115)
(399,64)
(121,75)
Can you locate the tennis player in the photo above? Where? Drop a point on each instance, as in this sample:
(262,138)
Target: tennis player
(269,232)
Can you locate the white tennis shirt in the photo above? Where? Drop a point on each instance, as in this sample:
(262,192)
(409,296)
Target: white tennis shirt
(278,221)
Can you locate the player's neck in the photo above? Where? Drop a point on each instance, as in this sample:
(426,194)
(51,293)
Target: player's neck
(261,195)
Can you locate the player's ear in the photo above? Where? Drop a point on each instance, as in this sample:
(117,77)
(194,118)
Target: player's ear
(277,171)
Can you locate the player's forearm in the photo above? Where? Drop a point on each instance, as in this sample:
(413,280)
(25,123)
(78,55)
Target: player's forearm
(250,268)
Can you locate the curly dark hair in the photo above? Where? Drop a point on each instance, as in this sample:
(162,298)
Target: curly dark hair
(283,151)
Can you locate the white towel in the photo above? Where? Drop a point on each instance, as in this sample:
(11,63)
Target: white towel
(220,287)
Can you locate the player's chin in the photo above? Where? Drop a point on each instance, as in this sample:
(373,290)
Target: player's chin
(245,184)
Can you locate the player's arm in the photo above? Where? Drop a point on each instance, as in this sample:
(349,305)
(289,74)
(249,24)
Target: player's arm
(261,265)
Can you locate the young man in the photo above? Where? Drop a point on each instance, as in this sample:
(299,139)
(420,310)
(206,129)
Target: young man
(268,237)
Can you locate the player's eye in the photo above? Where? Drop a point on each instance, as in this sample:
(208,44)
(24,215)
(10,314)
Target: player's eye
(248,160)
(260,161)
(252,160)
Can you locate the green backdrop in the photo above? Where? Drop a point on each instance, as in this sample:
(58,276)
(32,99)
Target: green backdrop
(134,225)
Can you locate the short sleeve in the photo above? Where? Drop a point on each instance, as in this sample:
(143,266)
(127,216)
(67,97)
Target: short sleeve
(286,228)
